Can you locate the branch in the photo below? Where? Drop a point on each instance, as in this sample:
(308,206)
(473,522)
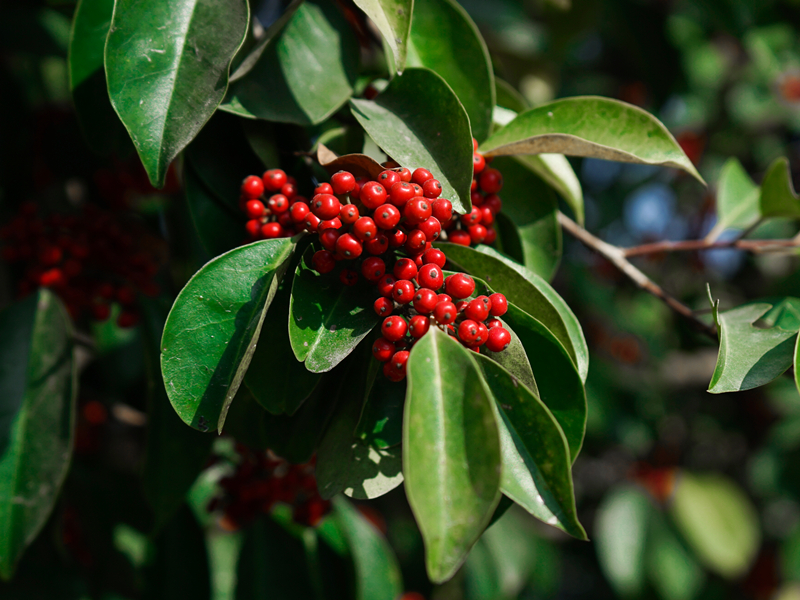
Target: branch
(754,246)
(618,257)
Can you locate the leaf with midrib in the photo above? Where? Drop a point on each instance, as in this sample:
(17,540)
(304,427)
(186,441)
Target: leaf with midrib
(591,126)
(393,20)
(208,338)
(778,198)
(737,199)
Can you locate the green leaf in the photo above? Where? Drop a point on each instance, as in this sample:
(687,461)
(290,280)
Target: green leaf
(533,208)
(751,356)
(218,227)
(167,67)
(528,291)
(737,199)
(718,521)
(536,458)
(514,360)
(556,171)
(445,40)
(304,74)
(38,384)
(87,77)
(381,422)
(327,319)
(419,122)
(594,127)
(208,339)
(377,572)
(508,97)
(620,535)
(671,568)
(451,451)
(393,19)
(508,240)
(778,198)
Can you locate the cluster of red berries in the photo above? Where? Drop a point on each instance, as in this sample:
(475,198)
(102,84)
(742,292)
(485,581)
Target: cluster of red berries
(262,480)
(90,259)
(270,217)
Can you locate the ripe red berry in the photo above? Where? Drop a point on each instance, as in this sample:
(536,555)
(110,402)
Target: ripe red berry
(373,268)
(474,145)
(459,236)
(252,187)
(383,307)
(323,261)
(349,214)
(100,311)
(405,174)
(334,223)
(418,326)
(348,277)
(420,176)
(442,209)
(127,319)
(394,328)
(328,239)
(323,188)
(399,360)
(499,305)
(372,195)
(490,181)
(435,256)
(383,349)
(431,277)
(445,312)
(274,180)
(492,322)
(491,235)
(477,233)
(478,163)
(444,298)
(432,188)
(432,228)
(403,291)
(272,230)
(325,206)
(285,219)
(365,229)
(348,246)
(476,198)
(391,373)
(343,182)
(487,216)
(397,238)
(290,191)
(388,178)
(52,278)
(418,190)
(401,193)
(472,217)
(385,285)
(493,203)
(299,210)
(498,339)
(253,227)
(417,210)
(459,286)
(404,268)
(425,300)
(386,216)
(478,309)
(311,221)
(468,332)
(377,245)
(416,242)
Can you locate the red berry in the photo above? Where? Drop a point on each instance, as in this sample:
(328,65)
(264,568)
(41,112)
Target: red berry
(348,277)
(431,277)
(477,233)
(325,206)
(432,188)
(474,145)
(373,268)
(405,174)
(416,242)
(323,261)
(399,361)
(478,309)
(478,163)
(476,198)
(271,230)
(334,223)
(285,219)
(432,228)
(52,278)
(278,203)
(349,214)
(472,217)
(348,246)
(490,181)
(418,190)
(299,210)
(386,216)
(372,195)
(498,339)
(394,328)
(343,182)
(385,285)
(388,178)
(127,319)
(487,216)
(328,239)
(365,229)
(274,180)
(459,237)
(323,188)
(391,374)
(444,298)
(383,306)
(377,245)
(492,323)
(417,210)
(290,191)
(459,286)
(253,227)
(383,349)
(445,312)
(499,305)
(435,256)
(401,193)
(403,291)
(252,187)
(468,332)
(101,311)
(442,209)
(420,176)
(425,301)
(311,221)
(493,203)
(491,235)
(255,209)
(405,268)
(397,238)
(418,326)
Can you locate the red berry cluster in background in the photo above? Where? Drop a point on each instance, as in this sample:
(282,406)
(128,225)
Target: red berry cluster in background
(90,258)
(267,201)
(262,480)
(477,226)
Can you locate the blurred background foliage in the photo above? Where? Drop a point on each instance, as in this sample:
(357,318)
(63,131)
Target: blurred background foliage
(684,494)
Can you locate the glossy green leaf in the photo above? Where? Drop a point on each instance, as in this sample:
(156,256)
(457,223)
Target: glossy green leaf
(304,74)
(718,521)
(218,227)
(87,77)
(778,198)
(327,319)
(208,339)
(514,360)
(167,68)
(620,535)
(508,240)
(381,422)
(445,40)
(556,171)
(594,127)
(737,199)
(671,568)
(377,572)
(451,451)
(536,458)
(528,291)
(418,121)
(37,411)
(393,19)
(750,355)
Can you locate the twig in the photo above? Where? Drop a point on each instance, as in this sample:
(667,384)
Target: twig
(754,246)
(617,257)
(82,339)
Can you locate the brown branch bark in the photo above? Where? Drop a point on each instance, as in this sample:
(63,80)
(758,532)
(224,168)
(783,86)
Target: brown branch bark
(754,246)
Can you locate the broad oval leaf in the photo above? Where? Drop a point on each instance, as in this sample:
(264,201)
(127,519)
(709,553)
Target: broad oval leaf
(514,360)
(451,451)
(327,320)
(537,471)
(208,339)
(419,122)
(445,40)
(778,198)
(718,521)
(591,126)
(737,199)
(393,20)
(381,422)
(528,291)
(556,171)
(38,385)
(167,67)
(377,571)
(304,74)
(671,568)
(751,356)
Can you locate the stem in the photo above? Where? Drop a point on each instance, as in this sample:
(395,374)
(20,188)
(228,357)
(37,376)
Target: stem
(618,257)
(754,246)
